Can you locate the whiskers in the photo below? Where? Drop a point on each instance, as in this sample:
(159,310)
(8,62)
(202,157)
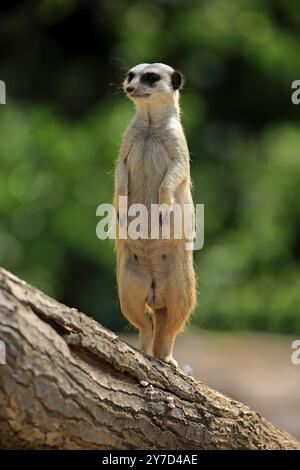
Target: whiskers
(122,68)
(118,88)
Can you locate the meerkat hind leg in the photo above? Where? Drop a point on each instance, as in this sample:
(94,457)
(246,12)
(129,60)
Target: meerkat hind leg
(140,320)
(132,292)
(144,326)
(145,337)
(165,331)
(137,317)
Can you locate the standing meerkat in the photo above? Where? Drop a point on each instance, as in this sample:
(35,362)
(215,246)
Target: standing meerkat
(155,275)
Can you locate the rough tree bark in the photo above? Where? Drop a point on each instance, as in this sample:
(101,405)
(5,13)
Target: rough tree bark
(69,383)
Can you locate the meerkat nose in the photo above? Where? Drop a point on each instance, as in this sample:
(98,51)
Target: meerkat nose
(129,89)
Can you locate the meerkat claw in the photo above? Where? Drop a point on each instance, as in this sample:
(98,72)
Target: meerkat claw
(170,360)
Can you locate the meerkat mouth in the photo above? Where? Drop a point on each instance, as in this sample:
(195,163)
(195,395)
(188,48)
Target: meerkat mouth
(138,95)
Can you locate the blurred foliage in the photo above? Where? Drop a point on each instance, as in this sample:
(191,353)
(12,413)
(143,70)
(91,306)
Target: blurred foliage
(62,125)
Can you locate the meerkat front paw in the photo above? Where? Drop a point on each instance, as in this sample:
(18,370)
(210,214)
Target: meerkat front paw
(170,360)
(166,202)
(164,215)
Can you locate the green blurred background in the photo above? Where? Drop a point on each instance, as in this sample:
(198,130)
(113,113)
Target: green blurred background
(63,62)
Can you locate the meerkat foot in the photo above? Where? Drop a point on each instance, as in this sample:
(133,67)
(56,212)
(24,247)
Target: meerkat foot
(170,360)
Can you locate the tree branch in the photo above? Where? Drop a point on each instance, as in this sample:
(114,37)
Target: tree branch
(69,383)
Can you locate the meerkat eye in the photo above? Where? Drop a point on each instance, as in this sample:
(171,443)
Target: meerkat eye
(150,77)
(130,76)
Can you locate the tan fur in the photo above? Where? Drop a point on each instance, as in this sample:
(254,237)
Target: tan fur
(153,167)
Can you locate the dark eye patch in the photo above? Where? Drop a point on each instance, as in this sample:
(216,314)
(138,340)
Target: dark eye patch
(130,76)
(149,78)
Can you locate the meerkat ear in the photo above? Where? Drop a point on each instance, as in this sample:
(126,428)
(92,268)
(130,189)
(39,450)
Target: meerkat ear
(177,80)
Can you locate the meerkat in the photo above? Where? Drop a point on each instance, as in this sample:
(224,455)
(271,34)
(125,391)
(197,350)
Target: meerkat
(153,167)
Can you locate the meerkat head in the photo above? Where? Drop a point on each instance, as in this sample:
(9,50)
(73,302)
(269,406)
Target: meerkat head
(152,83)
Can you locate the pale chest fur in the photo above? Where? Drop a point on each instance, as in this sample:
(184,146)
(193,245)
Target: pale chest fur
(147,164)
